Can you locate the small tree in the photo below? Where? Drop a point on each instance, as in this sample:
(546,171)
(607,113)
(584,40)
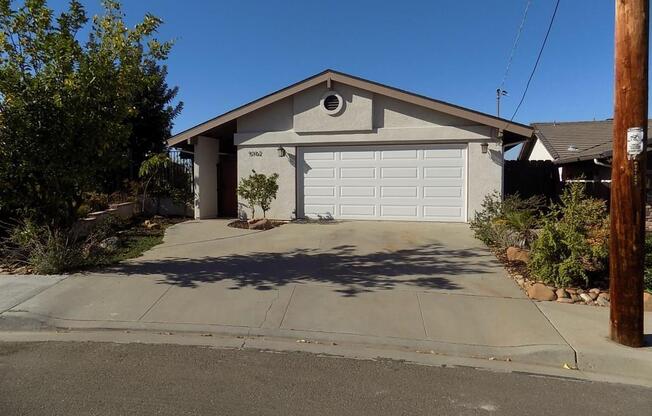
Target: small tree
(259,189)
(150,170)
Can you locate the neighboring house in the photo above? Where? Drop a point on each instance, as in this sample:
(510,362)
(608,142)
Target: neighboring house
(348,148)
(581,149)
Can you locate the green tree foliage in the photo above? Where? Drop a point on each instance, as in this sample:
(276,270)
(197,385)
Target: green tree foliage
(150,171)
(153,119)
(67,107)
(259,189)
(573,243)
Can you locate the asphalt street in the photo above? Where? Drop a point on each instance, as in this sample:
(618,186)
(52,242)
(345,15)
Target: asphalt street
(57,378)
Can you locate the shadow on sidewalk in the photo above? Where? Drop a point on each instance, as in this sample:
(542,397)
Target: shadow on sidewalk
(430,266)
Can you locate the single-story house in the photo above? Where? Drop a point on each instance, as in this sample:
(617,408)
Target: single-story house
(349,148)
(581,149)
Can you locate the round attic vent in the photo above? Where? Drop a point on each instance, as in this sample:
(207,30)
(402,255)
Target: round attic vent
(332,103)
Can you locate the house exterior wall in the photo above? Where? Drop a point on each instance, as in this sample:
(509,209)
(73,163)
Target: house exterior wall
(356,114)
(265,159)
(367,119)
(539,152)
(485,174)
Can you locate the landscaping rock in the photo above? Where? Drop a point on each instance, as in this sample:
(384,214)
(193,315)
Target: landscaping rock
(601,301)
(571,291)
(647,302)
(518,254)
(150,224)
(594,295)
(595,290)
(564,300)
(562,294)
(263,224)
(575,297)
(540,292)
(586,298)
(110,244)
(605,296)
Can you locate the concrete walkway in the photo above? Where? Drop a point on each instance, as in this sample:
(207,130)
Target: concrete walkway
(414,286)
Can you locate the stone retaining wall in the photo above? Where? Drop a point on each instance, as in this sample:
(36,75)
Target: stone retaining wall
(123,210)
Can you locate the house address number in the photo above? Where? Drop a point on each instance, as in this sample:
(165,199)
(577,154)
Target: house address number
(256,153)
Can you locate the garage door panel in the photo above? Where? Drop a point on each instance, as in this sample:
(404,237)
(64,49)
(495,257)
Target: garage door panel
(442,191)
(399,211)
(443,153)
(358,155)
(320,210)
(358,210)
(399,192)
(399,173)
(441,212)
(317,173)
(404,154)
(436,173)
(320,191)
(397,182)
(358,173)
(319,156)
(358,191)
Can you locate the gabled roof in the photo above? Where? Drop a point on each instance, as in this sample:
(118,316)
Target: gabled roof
(592,139)
(331,75)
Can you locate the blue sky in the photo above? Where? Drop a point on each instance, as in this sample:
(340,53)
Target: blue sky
(230,52)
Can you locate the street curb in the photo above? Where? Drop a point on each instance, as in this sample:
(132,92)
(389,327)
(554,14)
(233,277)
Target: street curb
(550,355)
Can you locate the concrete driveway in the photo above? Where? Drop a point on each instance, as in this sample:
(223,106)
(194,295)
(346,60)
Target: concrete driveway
(428,286)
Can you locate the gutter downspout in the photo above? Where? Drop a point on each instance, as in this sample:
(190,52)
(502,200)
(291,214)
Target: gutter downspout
(597,162)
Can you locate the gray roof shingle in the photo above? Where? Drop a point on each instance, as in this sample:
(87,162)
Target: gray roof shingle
(592,139)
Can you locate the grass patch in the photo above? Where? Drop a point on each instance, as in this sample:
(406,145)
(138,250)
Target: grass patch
(134,239)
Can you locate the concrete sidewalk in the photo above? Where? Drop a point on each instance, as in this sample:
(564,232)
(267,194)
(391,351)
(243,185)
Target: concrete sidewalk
(401,286)
(460,325)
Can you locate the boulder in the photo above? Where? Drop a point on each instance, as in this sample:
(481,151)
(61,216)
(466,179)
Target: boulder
(263,224)
(562,294)
(110,244)
(647,301)
(150,224)
(518,255)
(541,292)
(586,298)
(602,301)
(564,300)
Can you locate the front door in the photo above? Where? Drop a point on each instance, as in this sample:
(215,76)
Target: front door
(227,182)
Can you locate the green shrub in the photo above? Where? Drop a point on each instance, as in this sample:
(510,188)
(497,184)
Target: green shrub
(258,189)
(44,249)
(572,246)
(509,222)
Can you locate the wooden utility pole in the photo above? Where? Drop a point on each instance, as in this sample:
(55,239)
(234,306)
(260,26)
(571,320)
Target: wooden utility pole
(627,239)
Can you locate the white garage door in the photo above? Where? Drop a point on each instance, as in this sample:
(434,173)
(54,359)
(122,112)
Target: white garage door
(407,182)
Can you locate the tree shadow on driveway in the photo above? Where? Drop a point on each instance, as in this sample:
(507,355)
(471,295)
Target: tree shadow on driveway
(430,267)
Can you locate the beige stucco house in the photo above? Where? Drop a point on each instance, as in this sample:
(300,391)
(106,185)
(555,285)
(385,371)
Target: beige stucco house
(349,148)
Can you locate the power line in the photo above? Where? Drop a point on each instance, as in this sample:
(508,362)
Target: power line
(536,64)
(516,40)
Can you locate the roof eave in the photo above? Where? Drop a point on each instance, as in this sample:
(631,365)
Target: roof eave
(423,101)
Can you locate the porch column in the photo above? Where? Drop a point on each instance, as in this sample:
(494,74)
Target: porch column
(205,171)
